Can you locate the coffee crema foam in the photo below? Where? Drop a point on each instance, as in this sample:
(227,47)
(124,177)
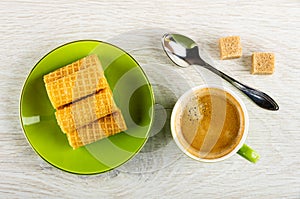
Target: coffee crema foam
(210,123)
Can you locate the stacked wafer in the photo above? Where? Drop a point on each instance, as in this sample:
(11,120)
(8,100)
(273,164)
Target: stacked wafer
(85,108)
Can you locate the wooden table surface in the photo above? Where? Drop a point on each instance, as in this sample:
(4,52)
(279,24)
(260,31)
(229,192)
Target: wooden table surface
(29,29)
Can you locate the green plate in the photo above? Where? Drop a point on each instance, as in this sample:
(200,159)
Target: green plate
(132,93)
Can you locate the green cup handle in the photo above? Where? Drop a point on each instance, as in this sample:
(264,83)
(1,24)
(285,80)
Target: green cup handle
(248,153)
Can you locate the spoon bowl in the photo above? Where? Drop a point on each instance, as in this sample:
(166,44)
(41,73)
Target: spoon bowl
(180,49)
(184,52)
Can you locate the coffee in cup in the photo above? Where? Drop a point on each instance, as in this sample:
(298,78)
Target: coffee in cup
(209,123)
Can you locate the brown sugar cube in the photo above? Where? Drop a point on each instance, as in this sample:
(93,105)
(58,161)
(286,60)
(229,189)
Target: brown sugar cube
(230,47)
(263,63)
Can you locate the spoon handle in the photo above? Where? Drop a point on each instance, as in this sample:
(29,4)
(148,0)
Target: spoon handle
(258,97)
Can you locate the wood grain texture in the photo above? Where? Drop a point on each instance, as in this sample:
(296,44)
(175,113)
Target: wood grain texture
(31,28)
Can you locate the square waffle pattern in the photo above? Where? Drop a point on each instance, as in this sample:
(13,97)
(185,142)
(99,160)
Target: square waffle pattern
(82,112)
(101,128)
(76,85)
(91,60)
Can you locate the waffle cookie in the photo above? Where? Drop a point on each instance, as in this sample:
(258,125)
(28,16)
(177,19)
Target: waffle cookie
(91,60)
(85,111)
(77,83)
(101,128)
